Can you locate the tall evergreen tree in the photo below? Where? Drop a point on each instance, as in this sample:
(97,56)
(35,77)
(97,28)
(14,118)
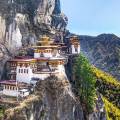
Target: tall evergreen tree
(85,82)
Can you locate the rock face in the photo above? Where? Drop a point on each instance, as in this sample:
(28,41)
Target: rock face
(99,113)
(103,51)
(4,56)
(23,21)
(53,100)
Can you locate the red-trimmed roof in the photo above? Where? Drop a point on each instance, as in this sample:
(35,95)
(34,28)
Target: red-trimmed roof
(42,58)
(7,81)
(21,60)
(13,82)
(23,57)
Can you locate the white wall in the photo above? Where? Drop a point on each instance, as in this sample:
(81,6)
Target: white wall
(60,68)
(14,93)
(36,55)
(73,49)
(8,92)
(24,94)
(78,48)
(47,55)
(41,76)
(24,77)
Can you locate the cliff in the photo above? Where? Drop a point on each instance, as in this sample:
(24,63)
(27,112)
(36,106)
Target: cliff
(27,20)
(53,100)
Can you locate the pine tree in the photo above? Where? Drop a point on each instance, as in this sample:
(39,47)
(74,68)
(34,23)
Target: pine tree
(85,82)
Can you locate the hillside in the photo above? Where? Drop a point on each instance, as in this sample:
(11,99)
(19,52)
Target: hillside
(87,81)
(110,89)
(103,51)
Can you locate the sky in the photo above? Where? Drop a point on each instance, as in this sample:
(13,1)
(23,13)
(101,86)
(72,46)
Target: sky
(92,17)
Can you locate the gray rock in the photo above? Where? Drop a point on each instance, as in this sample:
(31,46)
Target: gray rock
(99,113)
(55,101)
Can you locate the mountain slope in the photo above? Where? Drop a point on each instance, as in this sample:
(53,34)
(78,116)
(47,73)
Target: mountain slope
(103,51)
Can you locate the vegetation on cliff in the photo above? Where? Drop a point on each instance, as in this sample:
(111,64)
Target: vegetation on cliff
(85,83)
(88,79)
(1,112)
(108,86)
(113,113)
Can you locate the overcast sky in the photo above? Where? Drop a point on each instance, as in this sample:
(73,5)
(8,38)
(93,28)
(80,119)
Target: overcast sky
(92,17)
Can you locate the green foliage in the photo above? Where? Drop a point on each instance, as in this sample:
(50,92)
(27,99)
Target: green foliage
(1,112)
(85,82)
(108,86)
(105,77)
(113,113)
(87,78)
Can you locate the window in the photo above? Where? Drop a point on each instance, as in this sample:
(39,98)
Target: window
(27,70)
(24,70)
(21,70)
(76,50)
(13,88)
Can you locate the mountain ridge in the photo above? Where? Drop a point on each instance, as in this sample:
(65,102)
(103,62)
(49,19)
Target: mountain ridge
(103,51)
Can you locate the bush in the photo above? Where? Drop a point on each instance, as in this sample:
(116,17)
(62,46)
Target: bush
(112,112)
(108,86)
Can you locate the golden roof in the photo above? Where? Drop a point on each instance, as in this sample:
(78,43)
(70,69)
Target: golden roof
(74,39)
(44,41)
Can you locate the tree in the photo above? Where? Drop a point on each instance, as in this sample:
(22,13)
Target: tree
(85,82)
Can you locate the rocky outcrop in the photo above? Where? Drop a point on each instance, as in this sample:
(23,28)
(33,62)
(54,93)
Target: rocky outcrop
(23,21)
(53,100)
(103,51)
(99,110)
(4,56)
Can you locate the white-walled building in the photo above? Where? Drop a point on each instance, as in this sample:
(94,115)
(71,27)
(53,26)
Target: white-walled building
(49,59)
(74,45)
(14,89)
(23,69)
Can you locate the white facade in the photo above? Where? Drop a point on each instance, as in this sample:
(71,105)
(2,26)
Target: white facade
(47,55)
(8,92)
(41,76)
(24,74)
(16,92)
(75,50)
(38,55)
(59,68)
(24,92)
